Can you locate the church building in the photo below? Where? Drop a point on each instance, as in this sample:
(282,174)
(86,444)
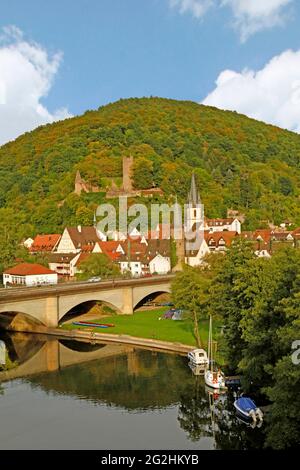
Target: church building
(204,236)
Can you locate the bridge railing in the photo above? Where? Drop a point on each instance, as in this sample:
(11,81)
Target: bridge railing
(82,285)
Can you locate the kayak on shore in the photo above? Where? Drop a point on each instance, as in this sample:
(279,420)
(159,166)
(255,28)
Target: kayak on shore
(93,325)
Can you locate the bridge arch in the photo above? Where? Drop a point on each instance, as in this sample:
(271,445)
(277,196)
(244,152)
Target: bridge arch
(49,306)
(69,304)
(20,320)
(139,294)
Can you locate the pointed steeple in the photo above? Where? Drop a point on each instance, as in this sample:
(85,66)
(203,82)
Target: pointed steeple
(194,196)
(95,220)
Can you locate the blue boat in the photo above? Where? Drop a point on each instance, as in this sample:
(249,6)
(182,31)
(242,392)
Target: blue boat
(248,409)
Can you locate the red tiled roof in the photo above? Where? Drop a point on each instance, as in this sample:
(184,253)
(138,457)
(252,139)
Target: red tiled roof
(61,258)
(265,234)
(110,245)
(109,248)
(113,255)
(219,236)
(28,269)
(82,257)
(83,236)
(145,253)
(45,242)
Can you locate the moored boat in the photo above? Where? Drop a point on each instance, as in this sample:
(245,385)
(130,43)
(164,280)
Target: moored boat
(246,408)
(213,378)
(197,369)
(198,357)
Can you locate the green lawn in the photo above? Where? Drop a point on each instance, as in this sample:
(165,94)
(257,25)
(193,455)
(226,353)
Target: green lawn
(146,324)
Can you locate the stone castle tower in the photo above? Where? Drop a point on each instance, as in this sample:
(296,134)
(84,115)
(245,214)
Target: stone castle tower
(79,184)
(127,174)
(114,191)
(127,183)
(82,186)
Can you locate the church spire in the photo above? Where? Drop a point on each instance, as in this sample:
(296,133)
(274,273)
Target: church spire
(194,197)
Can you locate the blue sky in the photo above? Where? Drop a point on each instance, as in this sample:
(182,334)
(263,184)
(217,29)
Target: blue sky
(121,48)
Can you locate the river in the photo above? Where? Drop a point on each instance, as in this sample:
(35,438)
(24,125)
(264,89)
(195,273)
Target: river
(63,394)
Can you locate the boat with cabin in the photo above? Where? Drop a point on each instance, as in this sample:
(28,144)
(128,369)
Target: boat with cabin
(213,378)
(198,357)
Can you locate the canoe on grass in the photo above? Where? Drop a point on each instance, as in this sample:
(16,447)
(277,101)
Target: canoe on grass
(93,325)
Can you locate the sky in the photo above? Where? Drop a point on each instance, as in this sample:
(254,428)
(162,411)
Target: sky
(61,58)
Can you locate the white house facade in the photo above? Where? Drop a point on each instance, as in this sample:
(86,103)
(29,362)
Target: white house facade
(160,265)
(27,274)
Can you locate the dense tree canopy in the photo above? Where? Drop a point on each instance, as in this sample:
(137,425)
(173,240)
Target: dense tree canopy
(98,265)
(238,162)
(259,302)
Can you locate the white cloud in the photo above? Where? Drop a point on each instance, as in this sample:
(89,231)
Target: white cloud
(26,75)
(249,16)
(197,7)
(271,94)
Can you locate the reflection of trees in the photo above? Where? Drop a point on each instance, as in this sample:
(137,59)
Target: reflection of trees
(9,364)
(194,413)
(143,380)
(158,380)
(231,434)
(201,416)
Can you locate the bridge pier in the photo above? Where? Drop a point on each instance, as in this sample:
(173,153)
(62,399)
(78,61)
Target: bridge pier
(127,301)
(52,312)
(52,355)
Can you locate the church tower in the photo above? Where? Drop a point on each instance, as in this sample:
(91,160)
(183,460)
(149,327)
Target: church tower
(194,209)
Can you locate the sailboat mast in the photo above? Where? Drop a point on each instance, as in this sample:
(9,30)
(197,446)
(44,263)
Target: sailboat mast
(210,344)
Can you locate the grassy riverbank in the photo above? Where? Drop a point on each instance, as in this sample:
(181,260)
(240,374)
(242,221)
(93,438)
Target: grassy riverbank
(147,324)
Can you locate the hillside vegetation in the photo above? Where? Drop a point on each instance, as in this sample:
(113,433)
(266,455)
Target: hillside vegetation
(239,163)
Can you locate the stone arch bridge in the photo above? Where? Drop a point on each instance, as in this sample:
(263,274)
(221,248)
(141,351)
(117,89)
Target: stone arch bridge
(49,304)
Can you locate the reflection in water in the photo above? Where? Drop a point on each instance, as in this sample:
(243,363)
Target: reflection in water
(2,353)
(110,396)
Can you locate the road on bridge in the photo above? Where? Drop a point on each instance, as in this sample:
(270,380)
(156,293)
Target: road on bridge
(76,287)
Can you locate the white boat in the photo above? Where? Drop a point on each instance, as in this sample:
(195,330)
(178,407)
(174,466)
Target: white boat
(198,357)
(214,379)
(197,369)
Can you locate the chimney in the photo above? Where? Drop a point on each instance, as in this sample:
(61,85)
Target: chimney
(79,228)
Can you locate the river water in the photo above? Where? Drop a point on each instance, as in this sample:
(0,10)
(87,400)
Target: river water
(63,394)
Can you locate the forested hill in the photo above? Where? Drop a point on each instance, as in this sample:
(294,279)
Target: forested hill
(239,163)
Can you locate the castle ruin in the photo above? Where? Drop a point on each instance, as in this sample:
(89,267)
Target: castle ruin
(114,191)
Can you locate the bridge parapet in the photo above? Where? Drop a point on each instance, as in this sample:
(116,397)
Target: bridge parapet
(49,305)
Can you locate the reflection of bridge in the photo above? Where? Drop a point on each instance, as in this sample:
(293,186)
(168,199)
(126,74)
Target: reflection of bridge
(54,354)
(49,304)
